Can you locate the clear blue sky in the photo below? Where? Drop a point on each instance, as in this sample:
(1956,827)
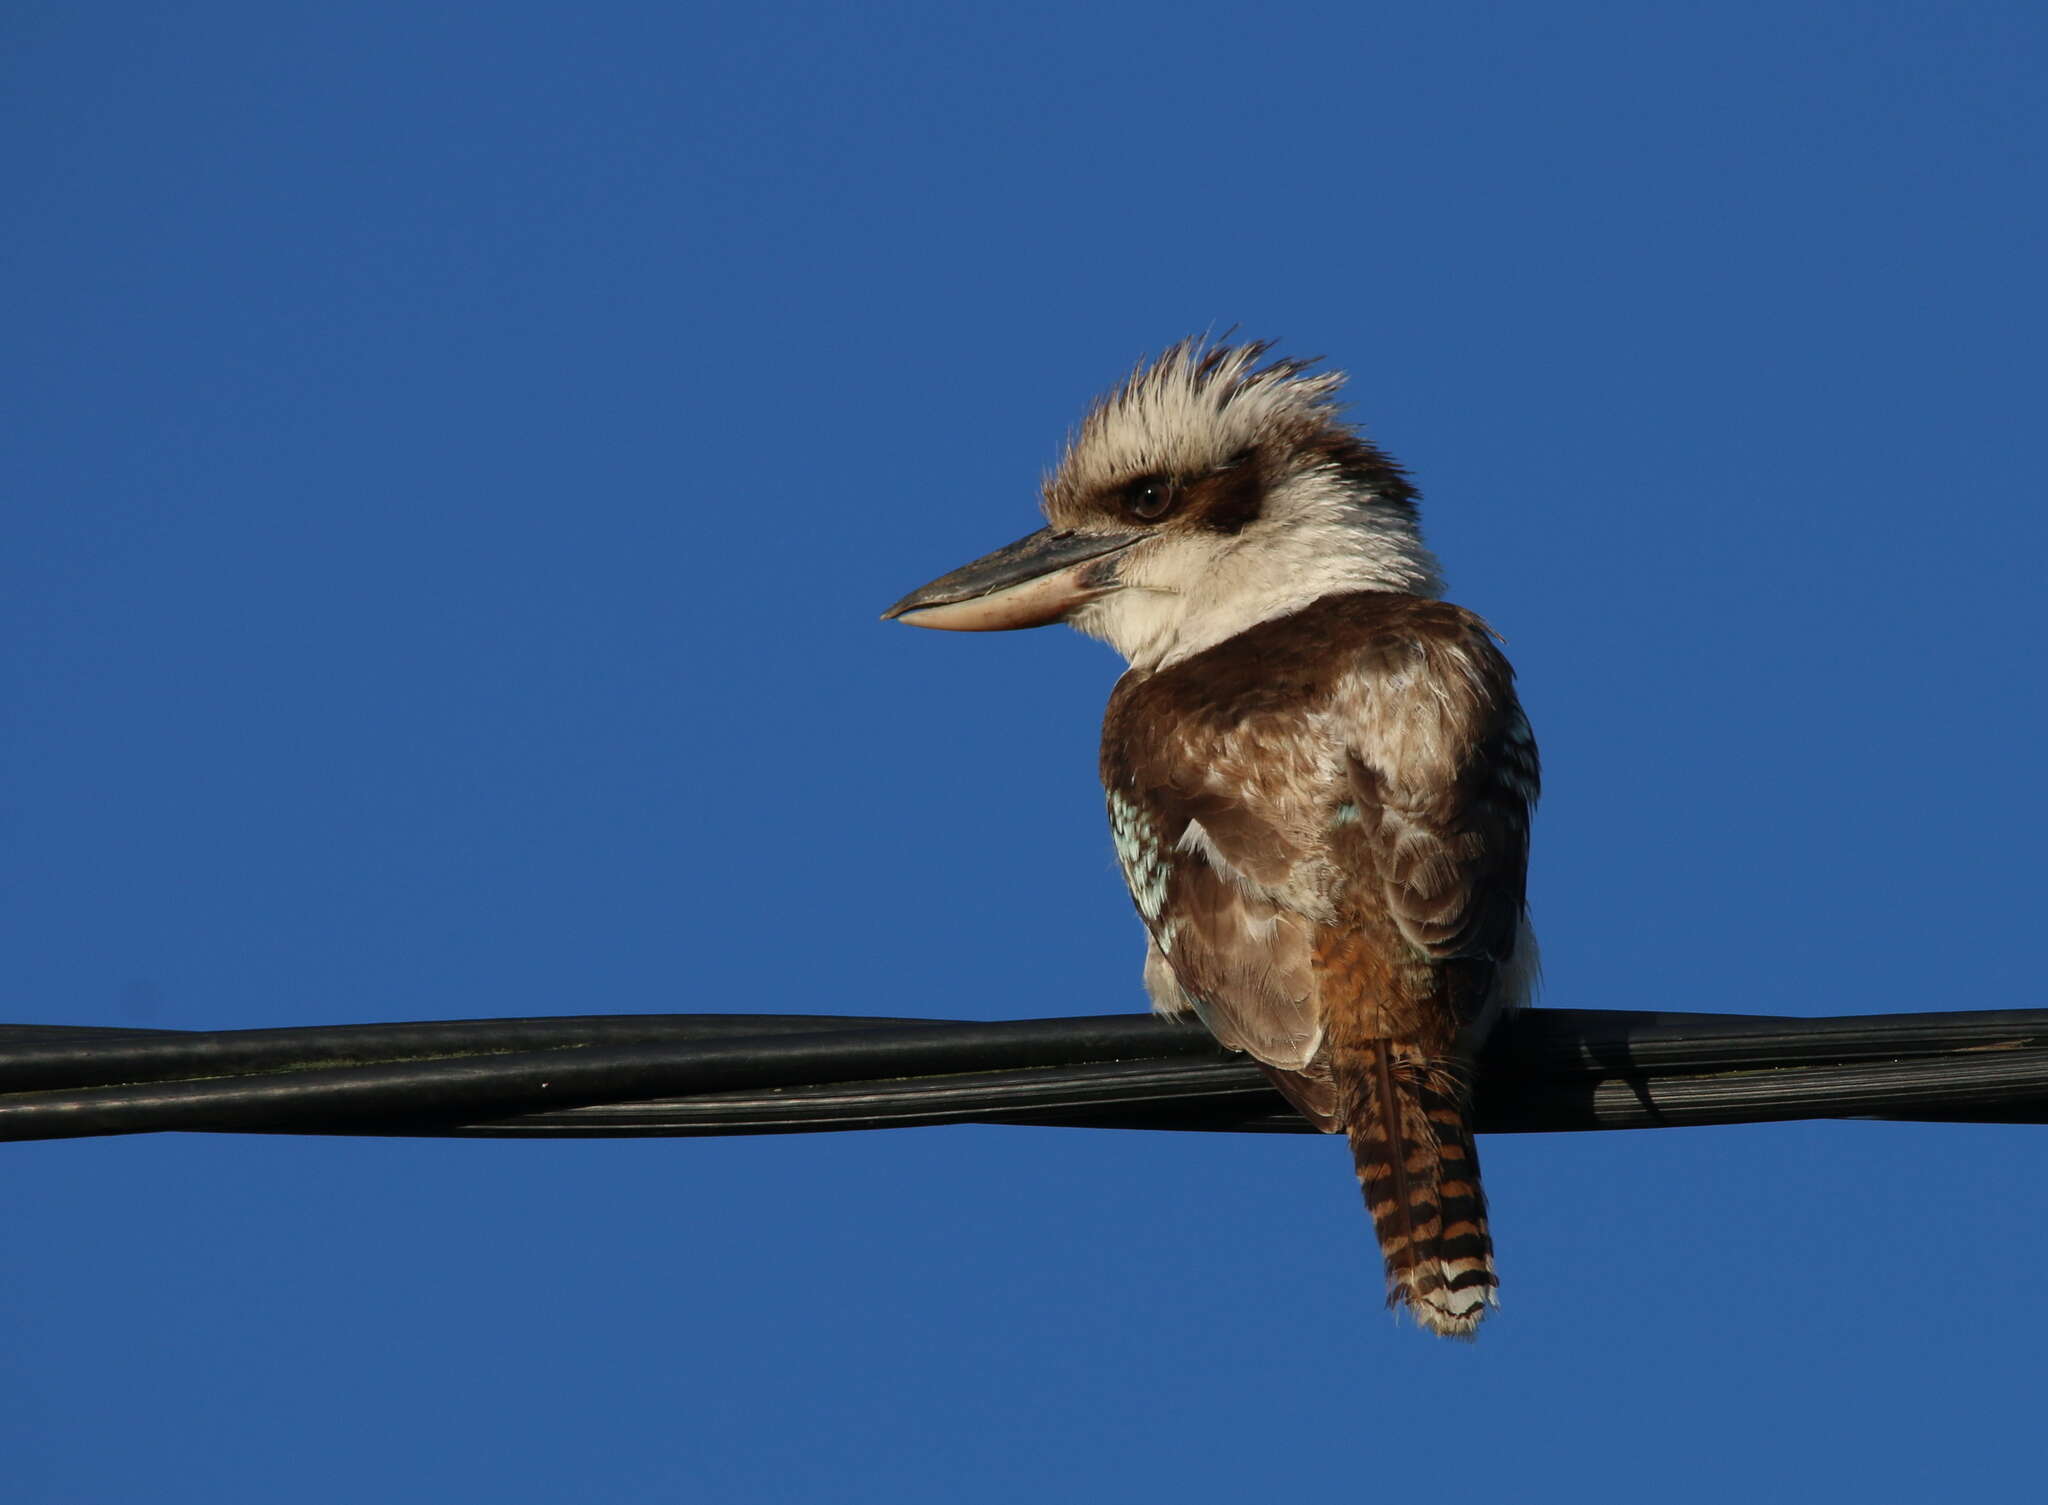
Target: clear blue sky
(455,455)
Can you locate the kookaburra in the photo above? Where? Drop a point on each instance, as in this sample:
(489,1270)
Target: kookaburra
(1319,777)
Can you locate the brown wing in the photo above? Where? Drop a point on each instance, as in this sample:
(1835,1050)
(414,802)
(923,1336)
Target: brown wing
(1241,961)
(1258,850)
(1443,771)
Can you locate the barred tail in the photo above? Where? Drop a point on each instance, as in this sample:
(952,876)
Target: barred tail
(1411,1135)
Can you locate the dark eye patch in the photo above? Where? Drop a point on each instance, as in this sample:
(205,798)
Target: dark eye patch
(1226,500)
(1150,499)
(1229,498)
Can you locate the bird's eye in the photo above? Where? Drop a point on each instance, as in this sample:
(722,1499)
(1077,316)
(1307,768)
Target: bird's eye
(1151,499)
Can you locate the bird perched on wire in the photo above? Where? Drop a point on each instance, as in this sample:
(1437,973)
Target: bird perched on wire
(1319,777)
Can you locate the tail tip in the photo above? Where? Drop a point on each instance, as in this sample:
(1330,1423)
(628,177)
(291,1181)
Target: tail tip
(1446,1313)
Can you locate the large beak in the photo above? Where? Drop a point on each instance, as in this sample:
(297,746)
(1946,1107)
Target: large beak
(1029,583)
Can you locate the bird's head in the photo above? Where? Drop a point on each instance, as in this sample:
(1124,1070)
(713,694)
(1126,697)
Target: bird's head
(1205,494)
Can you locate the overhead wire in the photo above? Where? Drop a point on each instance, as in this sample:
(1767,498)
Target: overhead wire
(1545,1070)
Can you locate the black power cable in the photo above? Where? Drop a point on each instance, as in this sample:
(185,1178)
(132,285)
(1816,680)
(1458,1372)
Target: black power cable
(693,1074)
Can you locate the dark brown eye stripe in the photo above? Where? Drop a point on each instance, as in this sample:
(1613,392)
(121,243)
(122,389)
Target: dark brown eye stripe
(1229,500)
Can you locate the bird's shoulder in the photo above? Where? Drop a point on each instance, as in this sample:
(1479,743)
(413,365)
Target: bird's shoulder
(1300,663)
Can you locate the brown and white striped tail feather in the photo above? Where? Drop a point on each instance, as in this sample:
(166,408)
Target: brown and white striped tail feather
(1411,1136)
